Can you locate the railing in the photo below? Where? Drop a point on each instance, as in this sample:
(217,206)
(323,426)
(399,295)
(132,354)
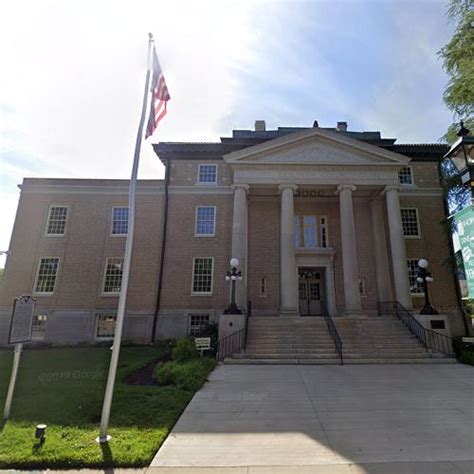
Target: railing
(332,331)
(236,341)
(430,339)
(230,344)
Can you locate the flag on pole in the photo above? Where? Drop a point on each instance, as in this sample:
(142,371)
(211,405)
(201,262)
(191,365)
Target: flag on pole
(159,96)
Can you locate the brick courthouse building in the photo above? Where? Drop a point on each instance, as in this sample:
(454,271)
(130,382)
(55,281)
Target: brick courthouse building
(318,217)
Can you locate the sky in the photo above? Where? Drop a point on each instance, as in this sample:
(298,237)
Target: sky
(73,74)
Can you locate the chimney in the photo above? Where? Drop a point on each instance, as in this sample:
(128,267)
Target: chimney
(315,124)
(341,126)
(260,125)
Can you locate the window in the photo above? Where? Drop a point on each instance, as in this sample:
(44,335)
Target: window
(56,220)
(39,327)
(202,275)
(324,232)
(310,232)
(205,221)
(105,328)
(46,276)
(207,174)
(113,275)
(405,175)
(410,222)
(197,322)
(119,221)
(416,288)
(263,286)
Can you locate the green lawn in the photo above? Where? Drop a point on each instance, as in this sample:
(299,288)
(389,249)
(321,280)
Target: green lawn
(64,388)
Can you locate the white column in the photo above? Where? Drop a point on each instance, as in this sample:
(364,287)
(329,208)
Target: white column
(382,270)
(397,245)
(350,263)
(288,271)
(240,239)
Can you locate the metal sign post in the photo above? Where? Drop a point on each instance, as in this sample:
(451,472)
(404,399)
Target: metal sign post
(20,332)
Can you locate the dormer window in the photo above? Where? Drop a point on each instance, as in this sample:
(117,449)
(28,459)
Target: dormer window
(405,175)
(207,174)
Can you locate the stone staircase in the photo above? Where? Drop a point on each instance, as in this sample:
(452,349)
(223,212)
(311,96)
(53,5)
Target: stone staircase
(382,340)
(306,340)
(287,340)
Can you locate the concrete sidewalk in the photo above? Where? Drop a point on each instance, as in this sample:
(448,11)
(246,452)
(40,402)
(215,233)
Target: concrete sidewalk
(334,419)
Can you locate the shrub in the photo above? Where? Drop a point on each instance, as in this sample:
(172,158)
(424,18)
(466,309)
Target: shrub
(189,375)
(185,350)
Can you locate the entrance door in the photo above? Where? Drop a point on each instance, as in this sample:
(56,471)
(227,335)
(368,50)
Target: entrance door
(310,293)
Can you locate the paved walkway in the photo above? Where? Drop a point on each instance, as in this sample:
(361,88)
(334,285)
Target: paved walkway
(326,419)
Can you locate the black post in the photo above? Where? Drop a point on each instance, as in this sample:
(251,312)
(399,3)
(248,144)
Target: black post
(233,275)
(428,309)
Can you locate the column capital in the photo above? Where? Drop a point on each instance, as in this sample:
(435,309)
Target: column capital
(283,186)
(391,187)
(243,186)
(342,187)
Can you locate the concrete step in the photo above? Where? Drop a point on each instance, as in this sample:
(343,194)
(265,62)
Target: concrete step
(337,361)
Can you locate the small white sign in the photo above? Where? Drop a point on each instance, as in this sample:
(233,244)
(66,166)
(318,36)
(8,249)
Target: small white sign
(202,343)
(22,320)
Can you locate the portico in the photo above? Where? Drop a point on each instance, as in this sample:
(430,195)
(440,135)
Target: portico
(325,171)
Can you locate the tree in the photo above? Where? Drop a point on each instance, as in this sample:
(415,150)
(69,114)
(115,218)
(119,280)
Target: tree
(458,61)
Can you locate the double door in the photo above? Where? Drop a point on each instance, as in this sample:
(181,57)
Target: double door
(310,296)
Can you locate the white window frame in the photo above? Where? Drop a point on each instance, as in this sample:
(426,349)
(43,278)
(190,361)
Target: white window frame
(102,290)
(46,234)
(422,293)
(326,228)
(411,176)
(207,183)
(197,313)
(202,293)
(96,328)
(46,293)
(418,235)
(112,221)
(196,222)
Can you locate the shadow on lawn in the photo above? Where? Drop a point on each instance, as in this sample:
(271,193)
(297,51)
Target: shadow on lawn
(107,454)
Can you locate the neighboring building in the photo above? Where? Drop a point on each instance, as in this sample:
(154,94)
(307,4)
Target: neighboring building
(318,217)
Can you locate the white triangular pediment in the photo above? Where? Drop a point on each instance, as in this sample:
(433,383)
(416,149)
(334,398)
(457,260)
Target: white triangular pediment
(316,147)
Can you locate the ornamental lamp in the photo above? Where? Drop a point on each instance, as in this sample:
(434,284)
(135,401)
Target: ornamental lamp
(461,155)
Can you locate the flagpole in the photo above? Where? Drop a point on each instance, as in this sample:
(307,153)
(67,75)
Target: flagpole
(109,391)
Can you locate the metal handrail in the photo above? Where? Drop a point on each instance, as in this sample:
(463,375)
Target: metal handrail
(230,344)
(430,339)
(333,331)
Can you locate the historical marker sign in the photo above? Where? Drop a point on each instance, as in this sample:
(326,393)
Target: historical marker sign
(22,320)
(465,225)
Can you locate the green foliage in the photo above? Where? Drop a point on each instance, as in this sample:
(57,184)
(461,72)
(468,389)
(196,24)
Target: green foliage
(464,351)
(211,330)
(64,388)
(458,61)
(185,350)
(189,375)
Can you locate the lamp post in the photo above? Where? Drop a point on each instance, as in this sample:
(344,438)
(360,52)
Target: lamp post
(461,155)
(424,276)
(233,275)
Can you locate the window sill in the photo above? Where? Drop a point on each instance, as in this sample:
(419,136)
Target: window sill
(412,237)
(201,294)
(204,235)
(54,235)
(113,295)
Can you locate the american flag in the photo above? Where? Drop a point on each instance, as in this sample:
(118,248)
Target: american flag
(159,97)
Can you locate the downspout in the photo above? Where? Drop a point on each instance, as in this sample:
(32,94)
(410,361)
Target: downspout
(162,257)
(453,256)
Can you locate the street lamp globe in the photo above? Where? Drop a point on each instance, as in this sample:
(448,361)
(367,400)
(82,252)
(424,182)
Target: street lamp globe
(234,262)
(422,263)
